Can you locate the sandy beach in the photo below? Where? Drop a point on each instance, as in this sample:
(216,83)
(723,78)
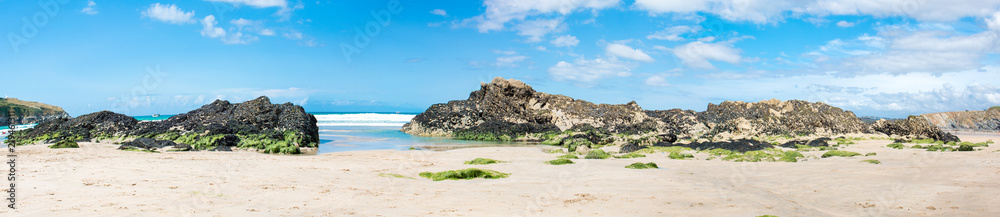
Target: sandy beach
(97,180)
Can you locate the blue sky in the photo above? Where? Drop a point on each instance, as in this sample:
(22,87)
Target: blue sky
(874,57)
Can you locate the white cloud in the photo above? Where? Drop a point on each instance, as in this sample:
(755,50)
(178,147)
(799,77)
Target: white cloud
(845,24)
(209,29)
(536,29)
(885,94)
(91,8)
(540,48)
(565,41)
(901,50)
(505,52)
(588,71)
(240,23)
(500,12)
(510,61)
(771,11)
(625,51)
(292,34)
(257,3)
(697,54)
(302,102)
(439,12)
(284,10)
(674,33)
(168,13)
(902,62)
(657,81)
(267,32)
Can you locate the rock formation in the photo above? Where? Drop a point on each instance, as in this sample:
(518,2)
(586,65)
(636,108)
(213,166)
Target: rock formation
(913,127)
(255,124)
(26,112)
(775,117)
(509,110)
(988,120)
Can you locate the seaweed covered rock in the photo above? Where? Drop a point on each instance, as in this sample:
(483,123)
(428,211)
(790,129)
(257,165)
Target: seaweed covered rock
(150,144)
(629,148)
(508,109)
(740,145)
(913,127)
(255,124)
(774,117)
(101,124)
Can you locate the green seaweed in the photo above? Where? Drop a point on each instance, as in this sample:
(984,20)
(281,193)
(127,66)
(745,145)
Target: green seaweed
(649,165)
(65,143)
(568,156)
(872,161)
(391,175)
(470,173)
(965,148)
(661,149)
(679,156)
(631,155)
(559,162)
(483,161)
(838,153)
(896,145)
(597,154)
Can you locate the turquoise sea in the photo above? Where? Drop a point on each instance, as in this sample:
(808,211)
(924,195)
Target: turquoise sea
(356,131)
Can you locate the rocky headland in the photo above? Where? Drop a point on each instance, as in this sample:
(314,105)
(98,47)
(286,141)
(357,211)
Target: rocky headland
(221,126)
(510,110)
(25,112)
(983,121)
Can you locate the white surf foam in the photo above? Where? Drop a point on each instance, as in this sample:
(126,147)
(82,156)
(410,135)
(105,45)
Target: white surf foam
(363,119)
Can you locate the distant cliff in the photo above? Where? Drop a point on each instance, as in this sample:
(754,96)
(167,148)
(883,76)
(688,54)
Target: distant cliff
(26,112)
(988,120)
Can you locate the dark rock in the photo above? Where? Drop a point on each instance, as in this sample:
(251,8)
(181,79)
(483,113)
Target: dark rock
(490,112)
(819,142)
(280,127)
(740,145)
(147,144)
(913,127)
(775,117)
(509,110)
(670,138)
(629,148)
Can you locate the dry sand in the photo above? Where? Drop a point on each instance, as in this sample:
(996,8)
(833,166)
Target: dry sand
(97,180)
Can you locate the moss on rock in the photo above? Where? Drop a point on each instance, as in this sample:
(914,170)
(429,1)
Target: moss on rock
(470,173)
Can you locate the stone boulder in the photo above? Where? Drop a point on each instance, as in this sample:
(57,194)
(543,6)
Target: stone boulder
(913,127)
(255,124)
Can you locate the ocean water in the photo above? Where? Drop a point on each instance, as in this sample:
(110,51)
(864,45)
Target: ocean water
(358,131)
(376,131)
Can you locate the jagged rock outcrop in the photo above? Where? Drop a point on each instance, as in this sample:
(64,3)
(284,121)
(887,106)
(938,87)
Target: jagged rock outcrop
(775,117)
(913,127)
(508,109)
(26,112)
(255,124)
(988,120)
